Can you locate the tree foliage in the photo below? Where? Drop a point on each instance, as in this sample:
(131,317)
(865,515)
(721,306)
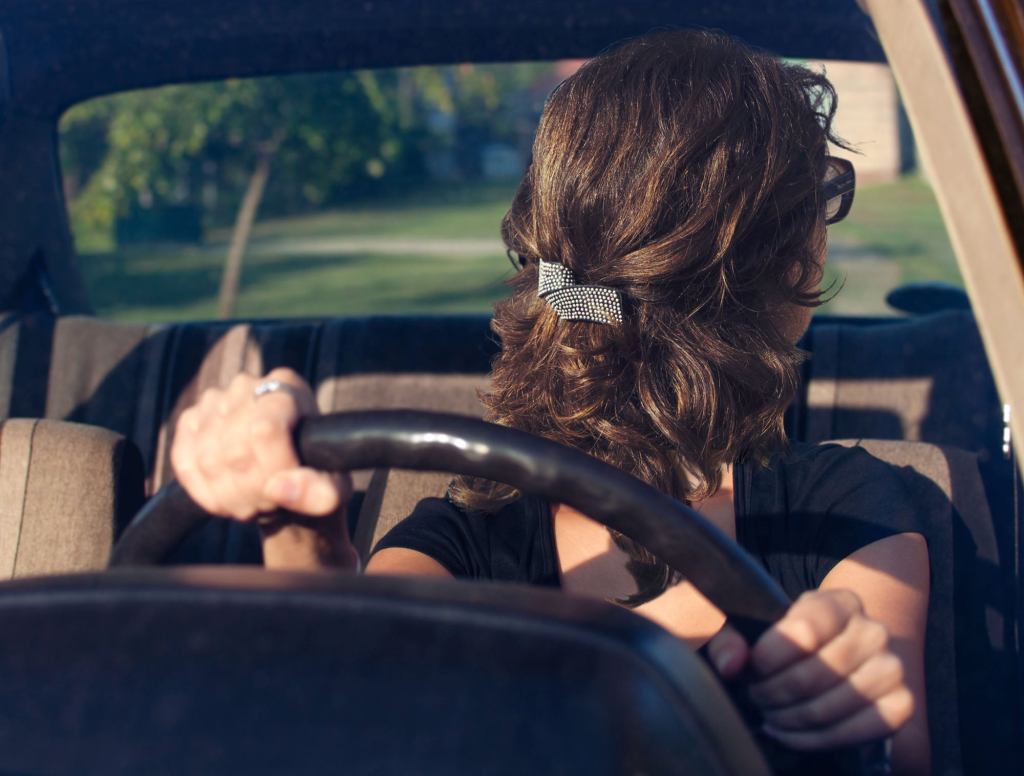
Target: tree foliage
(337,134)
(197,144)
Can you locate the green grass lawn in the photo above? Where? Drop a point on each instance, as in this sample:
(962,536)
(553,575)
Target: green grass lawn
(894,235)
(439,251)
(458,211)
(445,255)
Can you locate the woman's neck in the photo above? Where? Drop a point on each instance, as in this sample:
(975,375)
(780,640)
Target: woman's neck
(720,509)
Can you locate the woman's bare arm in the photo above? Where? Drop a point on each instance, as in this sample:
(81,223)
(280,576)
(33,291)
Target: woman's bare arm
(891,578)
(846,663)
(233,453)
(398,561)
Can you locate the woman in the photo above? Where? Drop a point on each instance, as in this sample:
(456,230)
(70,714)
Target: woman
(671,233)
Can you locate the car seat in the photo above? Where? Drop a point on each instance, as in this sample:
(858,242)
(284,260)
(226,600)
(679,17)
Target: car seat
(66,490)
(969,655)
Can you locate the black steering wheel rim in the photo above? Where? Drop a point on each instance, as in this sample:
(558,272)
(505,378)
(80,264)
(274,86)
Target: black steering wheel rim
(725,573)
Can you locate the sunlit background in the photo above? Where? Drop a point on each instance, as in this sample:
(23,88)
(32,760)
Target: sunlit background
(382,192)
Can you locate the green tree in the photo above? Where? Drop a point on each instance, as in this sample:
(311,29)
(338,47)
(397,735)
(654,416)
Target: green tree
(213,146)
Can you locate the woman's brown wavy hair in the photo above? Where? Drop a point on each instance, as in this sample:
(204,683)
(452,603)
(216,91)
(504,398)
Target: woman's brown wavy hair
(684,169)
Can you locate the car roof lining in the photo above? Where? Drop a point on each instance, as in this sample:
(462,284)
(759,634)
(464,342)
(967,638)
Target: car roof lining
(63,51)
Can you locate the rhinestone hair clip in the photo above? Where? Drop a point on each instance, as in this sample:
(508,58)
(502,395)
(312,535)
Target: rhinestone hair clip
(573,302)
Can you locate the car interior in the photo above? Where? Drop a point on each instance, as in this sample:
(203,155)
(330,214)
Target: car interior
(188,668)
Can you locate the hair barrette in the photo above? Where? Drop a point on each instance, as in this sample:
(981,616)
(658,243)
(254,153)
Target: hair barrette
(574,302)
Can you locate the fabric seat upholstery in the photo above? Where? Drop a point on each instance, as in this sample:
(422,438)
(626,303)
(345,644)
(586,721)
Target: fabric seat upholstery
(65,492)
(970,664)
(391,494)
(136,379)
(922,379)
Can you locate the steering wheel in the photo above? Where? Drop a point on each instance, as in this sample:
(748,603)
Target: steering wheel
(725,573)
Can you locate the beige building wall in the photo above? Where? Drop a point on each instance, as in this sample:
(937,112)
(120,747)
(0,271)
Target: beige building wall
(868,117)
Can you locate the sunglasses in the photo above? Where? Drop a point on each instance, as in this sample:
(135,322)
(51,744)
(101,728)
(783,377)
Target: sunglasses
(837,189)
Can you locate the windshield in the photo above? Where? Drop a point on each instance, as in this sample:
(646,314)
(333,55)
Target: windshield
(383,191)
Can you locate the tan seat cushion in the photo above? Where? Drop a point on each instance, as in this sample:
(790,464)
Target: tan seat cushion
(66,490)
(922,379)
(391,494)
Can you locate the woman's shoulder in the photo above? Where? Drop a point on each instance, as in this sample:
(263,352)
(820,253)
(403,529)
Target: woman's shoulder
(823,453)
(813,505)
(830,473)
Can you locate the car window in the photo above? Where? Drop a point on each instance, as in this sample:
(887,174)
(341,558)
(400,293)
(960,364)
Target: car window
(894,234)
(383,191)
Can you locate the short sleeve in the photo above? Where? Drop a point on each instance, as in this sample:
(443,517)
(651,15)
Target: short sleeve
(817,505)
(514,544)
(849,500)
(442,531)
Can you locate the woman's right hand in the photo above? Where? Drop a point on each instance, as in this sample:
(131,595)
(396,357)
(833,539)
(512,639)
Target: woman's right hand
(233,453)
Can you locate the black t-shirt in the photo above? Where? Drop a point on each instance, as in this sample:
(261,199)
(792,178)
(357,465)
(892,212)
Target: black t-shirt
(800,515)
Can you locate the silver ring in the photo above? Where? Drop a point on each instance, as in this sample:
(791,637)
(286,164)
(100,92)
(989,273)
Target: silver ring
(274,386)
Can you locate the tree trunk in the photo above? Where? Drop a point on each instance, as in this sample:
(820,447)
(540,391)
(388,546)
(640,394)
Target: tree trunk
(243,227)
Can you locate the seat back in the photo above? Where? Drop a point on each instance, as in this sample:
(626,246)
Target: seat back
(922,379)
(391,493)
(137,379)
(65,491)
(917,379)
(973,716)
(246,671)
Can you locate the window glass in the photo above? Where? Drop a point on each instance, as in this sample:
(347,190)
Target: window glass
(894,234)
(383,191)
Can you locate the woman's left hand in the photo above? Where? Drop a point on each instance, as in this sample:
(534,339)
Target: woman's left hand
(824,675)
